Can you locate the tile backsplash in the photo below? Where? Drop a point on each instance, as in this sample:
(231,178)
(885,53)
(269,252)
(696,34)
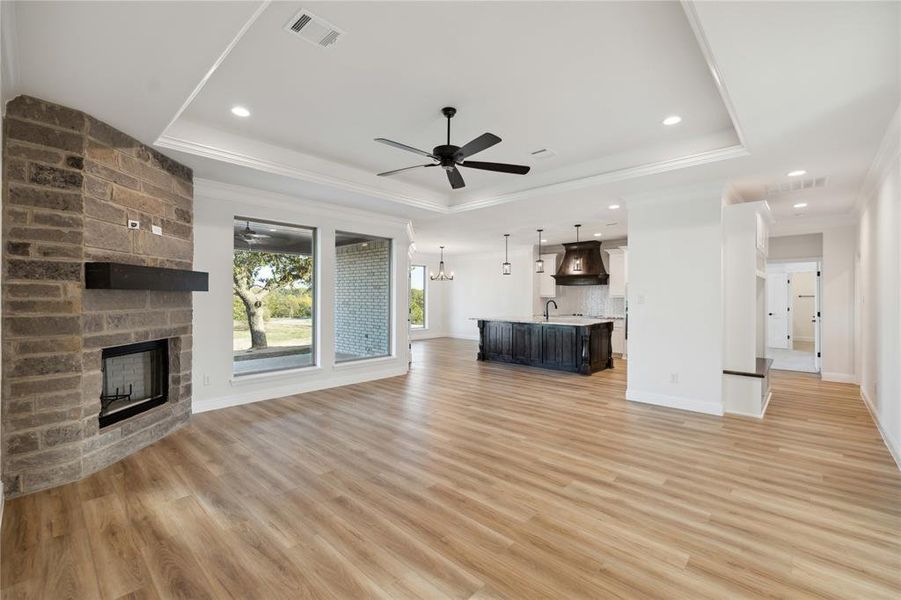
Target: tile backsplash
(593,300)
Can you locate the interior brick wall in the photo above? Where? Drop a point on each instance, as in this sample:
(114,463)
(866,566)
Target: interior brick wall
(362,298)
(71,184)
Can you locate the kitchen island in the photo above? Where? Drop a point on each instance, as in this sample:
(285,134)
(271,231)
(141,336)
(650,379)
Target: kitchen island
(576,344)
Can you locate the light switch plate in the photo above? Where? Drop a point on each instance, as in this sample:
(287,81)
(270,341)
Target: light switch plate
(156,230)
(132,224)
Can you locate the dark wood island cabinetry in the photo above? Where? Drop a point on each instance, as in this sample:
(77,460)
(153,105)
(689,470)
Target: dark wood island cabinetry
(576,345)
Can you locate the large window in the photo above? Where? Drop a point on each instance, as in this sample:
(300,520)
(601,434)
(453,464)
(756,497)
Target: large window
(417,297)
(362,296)
(273,304)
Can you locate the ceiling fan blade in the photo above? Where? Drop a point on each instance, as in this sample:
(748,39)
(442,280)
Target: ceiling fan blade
(400,146)
(456,180)
(499,167)
(405,169)
(483,142)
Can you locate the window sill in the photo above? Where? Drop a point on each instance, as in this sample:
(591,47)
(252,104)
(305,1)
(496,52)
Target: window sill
(266,375)
(364,361)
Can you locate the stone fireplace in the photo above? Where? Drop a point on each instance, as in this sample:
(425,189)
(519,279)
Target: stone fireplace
(71,185)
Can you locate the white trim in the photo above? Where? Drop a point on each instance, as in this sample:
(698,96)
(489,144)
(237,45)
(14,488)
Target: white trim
(838,377)
(290,389)
(218,190)
(362,361)
(886,155)
(892,449)
(10,51)
(286,170)
(425,334)
(739,413)
(238,380)
(2,503)
(701,406)
(473,337)
(197,89)
(695,22)
(644,170)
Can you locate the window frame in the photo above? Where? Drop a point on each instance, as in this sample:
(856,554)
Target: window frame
(315,253)
(425,298)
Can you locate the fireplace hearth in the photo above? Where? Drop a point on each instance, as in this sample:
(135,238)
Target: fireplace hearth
(135,379)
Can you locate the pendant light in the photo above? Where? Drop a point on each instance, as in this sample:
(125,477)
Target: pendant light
(442,275)
(539,264)
(577,261)
(506,269)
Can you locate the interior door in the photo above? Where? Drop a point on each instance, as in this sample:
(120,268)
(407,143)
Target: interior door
(816,321)
(778,321)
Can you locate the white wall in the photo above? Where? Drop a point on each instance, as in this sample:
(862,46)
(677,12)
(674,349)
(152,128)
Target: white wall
(480,290)
(435,298)
(879,292)
(215,206)
(675,299)
(837,304)
(794,247)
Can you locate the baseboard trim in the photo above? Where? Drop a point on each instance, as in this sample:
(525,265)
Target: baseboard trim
(2,504)
(895,452)
(426,335)
(838,377)
(766,403)
(464,336)
(290,389)
(710,408)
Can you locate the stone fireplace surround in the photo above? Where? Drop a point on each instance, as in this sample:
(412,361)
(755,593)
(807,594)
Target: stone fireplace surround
(70,184)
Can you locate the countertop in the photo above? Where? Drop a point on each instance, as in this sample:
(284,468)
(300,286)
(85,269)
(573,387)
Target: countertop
(539,320)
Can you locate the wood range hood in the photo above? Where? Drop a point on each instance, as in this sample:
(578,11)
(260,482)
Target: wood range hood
(592,271)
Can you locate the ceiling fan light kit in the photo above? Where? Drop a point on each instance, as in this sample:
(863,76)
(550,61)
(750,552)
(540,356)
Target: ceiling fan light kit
(449,157)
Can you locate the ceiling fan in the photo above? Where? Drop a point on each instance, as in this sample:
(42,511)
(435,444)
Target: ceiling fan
(250,236)
(449,157)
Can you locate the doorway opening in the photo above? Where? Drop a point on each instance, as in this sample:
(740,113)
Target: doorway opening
(793,315)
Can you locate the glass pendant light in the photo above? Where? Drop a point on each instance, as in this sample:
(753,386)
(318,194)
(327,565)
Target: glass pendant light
(506,266)
(577,261)
(539,264)
(442,275)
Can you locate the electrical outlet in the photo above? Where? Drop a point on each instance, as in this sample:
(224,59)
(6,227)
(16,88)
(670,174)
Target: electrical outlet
(132,224)
(156,230)
(674,378)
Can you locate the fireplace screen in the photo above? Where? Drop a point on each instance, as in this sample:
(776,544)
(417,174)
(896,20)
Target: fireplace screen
(135,379)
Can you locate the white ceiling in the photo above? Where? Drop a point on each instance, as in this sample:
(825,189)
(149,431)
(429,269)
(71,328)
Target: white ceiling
(810,85)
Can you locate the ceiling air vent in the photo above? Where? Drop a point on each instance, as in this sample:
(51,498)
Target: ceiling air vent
(543,153)
(313,29)
(796,186)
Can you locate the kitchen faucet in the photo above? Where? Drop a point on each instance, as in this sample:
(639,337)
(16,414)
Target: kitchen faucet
(547,310)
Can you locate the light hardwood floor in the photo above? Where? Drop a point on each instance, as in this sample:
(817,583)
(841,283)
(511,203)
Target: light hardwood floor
(474,480)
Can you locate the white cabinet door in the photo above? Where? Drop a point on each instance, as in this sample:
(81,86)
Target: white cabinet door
(547,285)
(617,273)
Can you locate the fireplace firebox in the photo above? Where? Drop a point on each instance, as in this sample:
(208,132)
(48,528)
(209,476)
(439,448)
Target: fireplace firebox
(135,379)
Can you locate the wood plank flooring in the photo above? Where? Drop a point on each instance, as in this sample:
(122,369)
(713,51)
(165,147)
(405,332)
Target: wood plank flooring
(475,480)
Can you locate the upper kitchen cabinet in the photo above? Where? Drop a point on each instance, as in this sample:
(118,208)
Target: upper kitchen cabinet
(547,285)
(618,269)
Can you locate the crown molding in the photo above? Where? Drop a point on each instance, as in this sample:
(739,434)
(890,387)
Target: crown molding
(230,192)
(280,168)
(203,81)
(886,155)
(644,170)
(694,21)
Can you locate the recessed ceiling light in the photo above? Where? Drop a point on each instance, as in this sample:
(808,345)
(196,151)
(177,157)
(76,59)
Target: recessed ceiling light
(240,111)
(544,241)
(273,230)
(613,206)
(797,173)
(598,234)
(801,205)
(672,120)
